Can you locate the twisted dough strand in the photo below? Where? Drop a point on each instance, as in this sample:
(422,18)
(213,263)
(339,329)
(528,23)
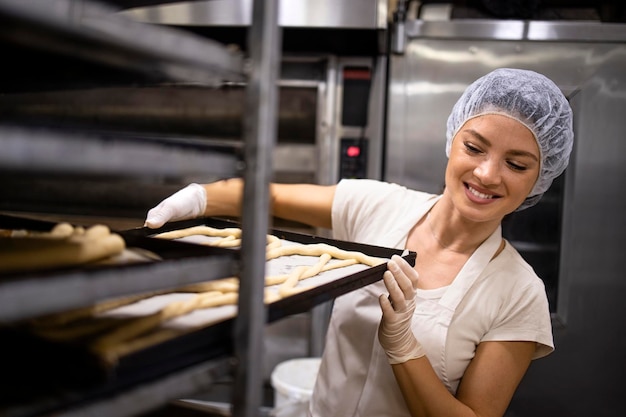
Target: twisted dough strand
(223,292)
(318,249)
(170,311)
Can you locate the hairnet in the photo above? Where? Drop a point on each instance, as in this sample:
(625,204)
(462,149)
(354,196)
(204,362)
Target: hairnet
(533,100)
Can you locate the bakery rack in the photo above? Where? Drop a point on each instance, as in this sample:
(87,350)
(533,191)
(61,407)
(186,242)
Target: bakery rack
(94,36)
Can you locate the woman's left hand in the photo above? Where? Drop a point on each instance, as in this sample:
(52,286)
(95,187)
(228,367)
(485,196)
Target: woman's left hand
(394,332)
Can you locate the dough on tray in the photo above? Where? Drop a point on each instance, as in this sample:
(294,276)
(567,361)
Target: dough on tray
(64,245)
(147,327)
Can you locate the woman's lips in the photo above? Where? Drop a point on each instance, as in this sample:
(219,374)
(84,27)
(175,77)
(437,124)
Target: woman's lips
(479,195)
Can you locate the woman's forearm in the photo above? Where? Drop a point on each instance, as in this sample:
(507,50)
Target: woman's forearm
(486,389)
(223,198)
(423,392)
(305,203)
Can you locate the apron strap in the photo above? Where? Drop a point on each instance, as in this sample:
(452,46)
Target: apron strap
(472,269)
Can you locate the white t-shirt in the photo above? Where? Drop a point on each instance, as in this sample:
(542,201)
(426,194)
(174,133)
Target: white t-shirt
(506,302)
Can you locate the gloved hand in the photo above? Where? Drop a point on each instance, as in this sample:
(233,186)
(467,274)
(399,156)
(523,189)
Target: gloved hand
(394,332)
(187,203)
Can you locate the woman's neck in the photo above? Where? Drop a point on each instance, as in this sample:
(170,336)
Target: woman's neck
(454,233)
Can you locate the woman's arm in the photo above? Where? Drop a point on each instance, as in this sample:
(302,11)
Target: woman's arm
(306,203)
(485,390)
(489,381)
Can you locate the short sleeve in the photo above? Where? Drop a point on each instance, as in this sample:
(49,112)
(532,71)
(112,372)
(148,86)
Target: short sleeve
(525,317)
(376,212)
(350,207)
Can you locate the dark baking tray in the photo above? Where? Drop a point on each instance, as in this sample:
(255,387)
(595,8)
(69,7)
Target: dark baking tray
(95,282)
(41,367)
(164,248)
(303,301)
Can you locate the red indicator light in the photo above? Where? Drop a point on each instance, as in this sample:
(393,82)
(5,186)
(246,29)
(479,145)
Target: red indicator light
(353,151)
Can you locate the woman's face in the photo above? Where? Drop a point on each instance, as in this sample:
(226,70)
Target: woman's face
(493,165)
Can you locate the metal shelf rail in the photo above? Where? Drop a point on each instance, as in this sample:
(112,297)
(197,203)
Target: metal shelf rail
(138,399)
(68,290)
(93,31)
(264,42)
(45,150)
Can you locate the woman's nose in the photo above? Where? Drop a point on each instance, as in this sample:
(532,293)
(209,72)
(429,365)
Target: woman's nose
(488,172)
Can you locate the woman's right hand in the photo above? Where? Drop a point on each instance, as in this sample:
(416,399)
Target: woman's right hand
(394,332)
(187,203)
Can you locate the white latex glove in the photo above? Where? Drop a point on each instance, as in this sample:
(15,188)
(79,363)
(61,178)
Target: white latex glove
(394,332)
(187,203)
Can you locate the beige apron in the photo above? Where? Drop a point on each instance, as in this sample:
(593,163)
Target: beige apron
(380,395)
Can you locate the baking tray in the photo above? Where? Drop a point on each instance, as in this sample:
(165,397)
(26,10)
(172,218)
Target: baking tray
(71,287)
(304,301)
(36,366)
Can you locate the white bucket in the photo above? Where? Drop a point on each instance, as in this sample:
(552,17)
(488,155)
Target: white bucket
(293,382)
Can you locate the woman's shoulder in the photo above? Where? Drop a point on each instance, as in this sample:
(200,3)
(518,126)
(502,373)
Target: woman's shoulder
(376,212)
(380,189)
(512,270)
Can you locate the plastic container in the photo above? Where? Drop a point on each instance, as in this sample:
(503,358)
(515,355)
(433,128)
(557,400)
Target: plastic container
(293,382)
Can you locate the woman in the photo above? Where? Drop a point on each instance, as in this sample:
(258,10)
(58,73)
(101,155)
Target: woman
(459,330)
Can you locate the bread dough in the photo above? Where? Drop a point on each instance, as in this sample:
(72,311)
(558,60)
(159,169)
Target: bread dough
(138,332)
(63,246)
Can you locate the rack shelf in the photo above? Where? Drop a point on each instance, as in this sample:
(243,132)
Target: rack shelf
(52,151)
(94,32)
(66,290)
(134,400)
(48,32)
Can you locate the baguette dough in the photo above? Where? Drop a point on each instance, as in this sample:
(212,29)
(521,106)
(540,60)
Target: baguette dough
(136,333)
(230,237)
(63,246)
(318,249)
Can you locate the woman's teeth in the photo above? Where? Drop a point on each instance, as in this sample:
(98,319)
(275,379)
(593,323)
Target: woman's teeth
(479,194)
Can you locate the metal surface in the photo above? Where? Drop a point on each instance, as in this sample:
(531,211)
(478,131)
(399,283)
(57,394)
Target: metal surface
(466,29)
(426,82)
(94,32)
(264,45)
(328,130)
(44,150)
(151,395)
(333,129)
(80,288)
(584,375)
(516,30)
(167,108)
(293,13)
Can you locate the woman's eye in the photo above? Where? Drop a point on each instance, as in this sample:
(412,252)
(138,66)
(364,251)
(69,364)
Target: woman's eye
(471,148)
(517,166)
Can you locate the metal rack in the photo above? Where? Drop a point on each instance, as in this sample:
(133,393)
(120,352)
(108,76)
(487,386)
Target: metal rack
(94,32)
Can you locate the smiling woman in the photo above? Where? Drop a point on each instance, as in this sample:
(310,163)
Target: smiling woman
(534,101)
(455,334)
(494,164)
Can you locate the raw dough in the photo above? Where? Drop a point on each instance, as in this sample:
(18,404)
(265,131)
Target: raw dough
(64,245)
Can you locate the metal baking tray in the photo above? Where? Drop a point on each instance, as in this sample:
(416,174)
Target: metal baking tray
(80,286)
(28,355)
(304,301)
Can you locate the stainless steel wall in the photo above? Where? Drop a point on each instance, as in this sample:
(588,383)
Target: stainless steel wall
(585,375)
(292,13)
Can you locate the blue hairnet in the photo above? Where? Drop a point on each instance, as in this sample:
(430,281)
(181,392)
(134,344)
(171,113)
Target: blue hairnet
(534,101)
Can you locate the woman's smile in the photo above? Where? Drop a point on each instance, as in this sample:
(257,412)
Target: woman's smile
(480,195)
